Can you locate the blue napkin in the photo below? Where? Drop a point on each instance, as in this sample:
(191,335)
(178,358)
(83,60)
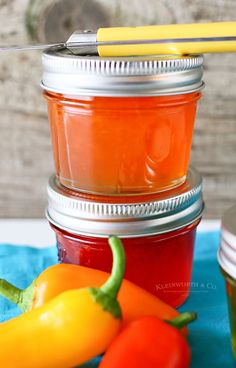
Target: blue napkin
(209,335)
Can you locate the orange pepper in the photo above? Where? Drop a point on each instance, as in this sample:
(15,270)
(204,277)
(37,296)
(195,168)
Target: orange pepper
(135,302)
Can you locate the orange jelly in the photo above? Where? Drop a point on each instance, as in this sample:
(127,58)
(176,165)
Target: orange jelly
(121,126)
(122,145)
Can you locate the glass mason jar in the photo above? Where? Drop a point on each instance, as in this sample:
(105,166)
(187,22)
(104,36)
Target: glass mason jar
(158,235)
(121,126)
(227,261)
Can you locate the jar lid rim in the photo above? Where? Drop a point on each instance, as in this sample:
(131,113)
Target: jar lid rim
(227,249)
(65,72)
(172,209)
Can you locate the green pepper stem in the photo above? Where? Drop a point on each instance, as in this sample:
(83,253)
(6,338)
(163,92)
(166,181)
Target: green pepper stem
(22,298)
(10,291)
(112,285)
(183,319)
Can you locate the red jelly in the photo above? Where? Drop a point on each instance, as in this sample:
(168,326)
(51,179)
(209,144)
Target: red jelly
(158,235)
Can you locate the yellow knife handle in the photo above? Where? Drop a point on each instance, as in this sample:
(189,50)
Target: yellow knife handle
(173,31)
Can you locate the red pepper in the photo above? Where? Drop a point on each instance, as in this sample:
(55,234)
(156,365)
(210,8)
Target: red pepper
(150,343)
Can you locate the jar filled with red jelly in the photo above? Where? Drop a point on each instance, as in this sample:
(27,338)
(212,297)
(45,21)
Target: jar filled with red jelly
(158,234)
(121,126)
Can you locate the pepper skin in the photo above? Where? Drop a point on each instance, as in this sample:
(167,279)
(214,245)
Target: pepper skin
(135,302)
(147,343)
(72,328)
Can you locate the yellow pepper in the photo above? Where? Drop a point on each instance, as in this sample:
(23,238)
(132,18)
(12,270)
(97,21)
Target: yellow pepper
(69,330)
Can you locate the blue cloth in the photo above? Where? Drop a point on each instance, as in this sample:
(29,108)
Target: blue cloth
(209,335)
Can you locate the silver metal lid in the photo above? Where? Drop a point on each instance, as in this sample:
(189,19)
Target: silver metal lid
(65,72)
(227,250)
(165,212)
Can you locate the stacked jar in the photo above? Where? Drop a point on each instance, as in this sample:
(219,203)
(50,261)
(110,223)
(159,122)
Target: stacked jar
(121,133)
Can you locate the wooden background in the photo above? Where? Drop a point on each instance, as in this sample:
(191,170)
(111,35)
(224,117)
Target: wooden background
(25,147)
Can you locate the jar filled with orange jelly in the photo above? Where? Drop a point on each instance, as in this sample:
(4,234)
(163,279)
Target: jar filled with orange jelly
(121,126)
